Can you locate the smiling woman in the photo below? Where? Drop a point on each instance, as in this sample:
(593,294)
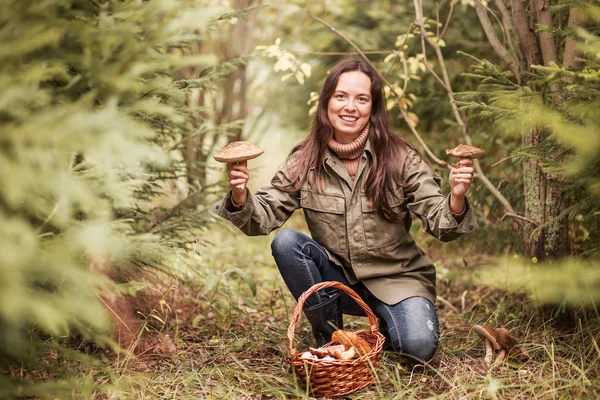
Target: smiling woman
(349,109)
(357,183)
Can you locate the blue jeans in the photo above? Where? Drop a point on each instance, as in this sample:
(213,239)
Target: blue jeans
(411,326)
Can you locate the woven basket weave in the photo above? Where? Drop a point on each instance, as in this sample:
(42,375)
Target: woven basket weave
(334,378)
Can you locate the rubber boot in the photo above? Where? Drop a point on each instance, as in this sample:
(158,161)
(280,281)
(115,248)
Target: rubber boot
(325,318)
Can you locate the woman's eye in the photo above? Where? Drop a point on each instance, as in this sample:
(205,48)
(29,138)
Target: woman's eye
(363,99)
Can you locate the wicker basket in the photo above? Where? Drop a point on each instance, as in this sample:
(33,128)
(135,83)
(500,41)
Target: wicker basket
(334,378)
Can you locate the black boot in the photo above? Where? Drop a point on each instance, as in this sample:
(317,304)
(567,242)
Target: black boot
(325,318)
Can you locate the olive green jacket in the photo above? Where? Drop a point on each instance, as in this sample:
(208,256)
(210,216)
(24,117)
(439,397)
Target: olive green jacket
(381,254)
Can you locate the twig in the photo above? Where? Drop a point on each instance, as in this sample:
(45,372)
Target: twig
(400,53)
(510,30)
(446,302)
(49,217)
(521,217)
(500,161)
(493,39)
(447,19)
(446,82)
(341,53)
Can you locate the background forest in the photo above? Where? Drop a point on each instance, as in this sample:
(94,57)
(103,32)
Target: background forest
(117,283)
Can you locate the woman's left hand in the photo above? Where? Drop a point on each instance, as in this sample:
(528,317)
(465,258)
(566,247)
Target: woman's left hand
(461,178)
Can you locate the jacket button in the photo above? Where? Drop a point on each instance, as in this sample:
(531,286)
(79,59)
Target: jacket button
(470,227)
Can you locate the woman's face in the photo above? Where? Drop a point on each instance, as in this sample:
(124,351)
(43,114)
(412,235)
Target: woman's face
(349,108)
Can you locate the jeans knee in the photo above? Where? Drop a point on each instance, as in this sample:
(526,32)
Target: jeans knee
(422,348)
(418,346)
(284,242)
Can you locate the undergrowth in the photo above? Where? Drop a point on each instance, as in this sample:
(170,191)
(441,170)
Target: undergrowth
(223,335)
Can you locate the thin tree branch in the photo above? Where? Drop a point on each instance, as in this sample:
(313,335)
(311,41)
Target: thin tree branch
(424,37)
(500,161)
(447,19)
(445,83)
(520,217)
(400,53)
(493,39)
(405,66)
(510,30)
(340,53)
(437,20)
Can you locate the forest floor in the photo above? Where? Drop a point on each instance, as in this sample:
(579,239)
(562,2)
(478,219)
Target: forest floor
(223,335)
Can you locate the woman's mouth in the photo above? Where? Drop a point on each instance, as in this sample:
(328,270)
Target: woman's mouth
(348,118)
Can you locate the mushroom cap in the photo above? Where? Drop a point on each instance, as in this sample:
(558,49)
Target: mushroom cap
(489,333)
(505,339)
(465,151)
(238,151)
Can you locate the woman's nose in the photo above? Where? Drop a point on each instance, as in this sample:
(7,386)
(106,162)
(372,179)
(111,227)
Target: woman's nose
(350,106)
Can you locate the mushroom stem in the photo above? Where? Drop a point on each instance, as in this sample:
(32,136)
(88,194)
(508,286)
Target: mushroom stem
(500,358)
(243,164)
(489,352)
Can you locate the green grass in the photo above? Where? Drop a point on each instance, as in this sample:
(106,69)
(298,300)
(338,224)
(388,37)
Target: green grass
(223,335)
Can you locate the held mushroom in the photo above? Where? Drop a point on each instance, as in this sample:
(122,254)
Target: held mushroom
(465,151)
(238,152)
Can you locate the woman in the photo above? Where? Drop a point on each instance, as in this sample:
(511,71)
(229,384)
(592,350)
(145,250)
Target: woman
(356,182)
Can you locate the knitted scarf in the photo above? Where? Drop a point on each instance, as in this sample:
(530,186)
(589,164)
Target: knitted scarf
(350,153)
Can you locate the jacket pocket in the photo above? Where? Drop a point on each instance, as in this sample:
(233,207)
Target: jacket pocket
(381,234)
(326,219)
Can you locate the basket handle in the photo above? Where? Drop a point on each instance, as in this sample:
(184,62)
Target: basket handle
(316,287)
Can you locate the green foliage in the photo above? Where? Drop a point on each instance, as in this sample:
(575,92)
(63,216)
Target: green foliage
(87,108)
(565,103)
(567,106)
(574,282)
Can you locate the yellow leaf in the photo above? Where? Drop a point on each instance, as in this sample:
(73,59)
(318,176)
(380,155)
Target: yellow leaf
(413,119)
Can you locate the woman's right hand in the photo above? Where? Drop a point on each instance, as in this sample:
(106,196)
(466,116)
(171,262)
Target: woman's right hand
(238,179)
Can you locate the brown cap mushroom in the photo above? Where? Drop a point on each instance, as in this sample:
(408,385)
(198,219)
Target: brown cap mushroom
(500,340)
(490,338)
(238,152)
(465,151)
(509,345)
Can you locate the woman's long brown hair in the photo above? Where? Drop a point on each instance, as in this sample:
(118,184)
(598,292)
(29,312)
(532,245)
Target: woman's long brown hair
(389,150)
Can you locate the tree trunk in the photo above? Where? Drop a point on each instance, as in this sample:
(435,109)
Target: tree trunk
(534,187)
(543,198)
(228,104)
